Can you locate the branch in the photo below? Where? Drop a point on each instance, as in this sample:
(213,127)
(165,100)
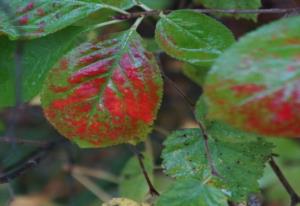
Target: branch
(295,198)
(140,157)
(13,140)
(213,11)
(31,161)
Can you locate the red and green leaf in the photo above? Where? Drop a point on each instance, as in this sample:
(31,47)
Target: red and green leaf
(255,85)
(36,18)
(104,93)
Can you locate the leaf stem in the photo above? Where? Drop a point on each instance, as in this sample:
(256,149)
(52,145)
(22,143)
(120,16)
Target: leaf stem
(202,127)
(191,106)
(31,161)
(137,23)
(140,158)
(295,198)
(115,21)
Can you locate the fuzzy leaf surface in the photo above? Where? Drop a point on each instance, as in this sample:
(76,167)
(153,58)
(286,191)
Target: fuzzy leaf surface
(197,42)
(238,158)
(255,84)
(104,93)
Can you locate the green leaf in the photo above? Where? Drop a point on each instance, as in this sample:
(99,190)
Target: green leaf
(238,157)
(197,42)
(191,192)
(122,4)
(201,110)
(38,57)
(233,4)
(255,84)
(36,18)
(157,4)
(195,73)
(133,184)
(104,93)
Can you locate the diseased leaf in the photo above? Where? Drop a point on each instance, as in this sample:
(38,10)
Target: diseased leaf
(191,192)
(104,93)
(238,157)
(233,4)
(30,19)
(197,42)
(133,184)
(38,56)
(255,85)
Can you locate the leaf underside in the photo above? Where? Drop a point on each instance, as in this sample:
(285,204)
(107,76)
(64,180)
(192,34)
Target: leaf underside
(104,93)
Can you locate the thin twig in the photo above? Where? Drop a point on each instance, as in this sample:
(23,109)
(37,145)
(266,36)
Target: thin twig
(191,106)
(201,126)
(140,158)
(14,140)
(213,11)
(295,198)
(31,161)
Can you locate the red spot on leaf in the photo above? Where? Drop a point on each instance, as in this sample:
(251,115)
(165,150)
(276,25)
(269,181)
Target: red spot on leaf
(27,8)
(293,41)
(24,20)
(291,69)
(64,64)
(58,89)
(41,12)
(246,89)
